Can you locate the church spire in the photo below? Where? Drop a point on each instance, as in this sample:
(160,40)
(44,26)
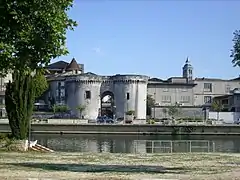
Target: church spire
(188,70)
(187,60)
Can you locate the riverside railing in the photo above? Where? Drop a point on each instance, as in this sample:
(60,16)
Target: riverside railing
(177,146)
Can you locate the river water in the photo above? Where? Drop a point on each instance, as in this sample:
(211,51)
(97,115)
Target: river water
(136,143)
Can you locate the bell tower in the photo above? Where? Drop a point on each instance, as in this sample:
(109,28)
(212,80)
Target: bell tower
(187,70)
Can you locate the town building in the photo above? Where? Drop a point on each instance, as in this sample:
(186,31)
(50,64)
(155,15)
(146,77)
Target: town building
(115,95)
(193,96)
(74,88)
(3,83)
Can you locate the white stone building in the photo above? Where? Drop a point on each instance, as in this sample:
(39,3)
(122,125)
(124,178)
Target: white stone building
(3,83)
(75,88)
(70,85)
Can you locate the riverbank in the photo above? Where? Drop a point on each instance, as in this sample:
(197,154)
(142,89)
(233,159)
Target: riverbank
(132,129)
(106,166)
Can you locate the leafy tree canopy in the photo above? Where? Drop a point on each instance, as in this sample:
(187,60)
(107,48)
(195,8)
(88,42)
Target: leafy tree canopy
(40,84)
(173,110)
(33,32)
(150,100)
(235,52)
(150,103)
(217,106)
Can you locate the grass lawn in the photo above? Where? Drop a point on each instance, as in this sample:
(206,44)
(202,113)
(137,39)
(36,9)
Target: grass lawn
(105,166)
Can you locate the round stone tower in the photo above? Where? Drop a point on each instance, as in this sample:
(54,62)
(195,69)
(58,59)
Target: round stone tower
(130,93)
(84,90)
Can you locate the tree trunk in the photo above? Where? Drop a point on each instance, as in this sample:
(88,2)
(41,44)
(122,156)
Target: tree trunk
(19,100)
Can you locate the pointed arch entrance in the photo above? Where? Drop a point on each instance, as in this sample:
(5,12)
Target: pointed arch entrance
(107,104)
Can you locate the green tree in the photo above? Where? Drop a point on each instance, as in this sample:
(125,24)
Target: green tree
(217,107)
(81,109)
(179,111)
(32,33)
(150,104)
(19,99)
(165,112)
(40,84)
(173,111)
(235,52)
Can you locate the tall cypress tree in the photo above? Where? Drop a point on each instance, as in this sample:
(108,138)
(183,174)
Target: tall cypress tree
(19,98)
(31,34)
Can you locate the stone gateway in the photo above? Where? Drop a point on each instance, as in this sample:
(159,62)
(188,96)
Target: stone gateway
(127,93)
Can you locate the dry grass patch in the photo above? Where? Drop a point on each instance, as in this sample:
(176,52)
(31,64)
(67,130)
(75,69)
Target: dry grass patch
(119,166)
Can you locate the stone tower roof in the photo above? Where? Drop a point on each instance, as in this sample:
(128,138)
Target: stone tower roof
(187,60)
(57,65)
(73,65)
(187,64)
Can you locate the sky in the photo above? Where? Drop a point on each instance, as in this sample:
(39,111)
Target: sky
(154,37)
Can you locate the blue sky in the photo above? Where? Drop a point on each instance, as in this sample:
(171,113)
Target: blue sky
(154,37)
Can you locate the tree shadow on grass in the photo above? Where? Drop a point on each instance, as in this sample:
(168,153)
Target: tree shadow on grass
(232,163)
(94,168)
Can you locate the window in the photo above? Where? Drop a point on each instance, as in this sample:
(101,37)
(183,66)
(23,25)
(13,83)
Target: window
(128,96)
(60,84)
(190,72)
(166,98)
(88,94)
(225,101)
(185,99)
(227,89)
(62,93)
(207,99)
(238,98)
(207,87)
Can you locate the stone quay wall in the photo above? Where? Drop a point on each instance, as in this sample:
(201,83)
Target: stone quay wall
(140,129)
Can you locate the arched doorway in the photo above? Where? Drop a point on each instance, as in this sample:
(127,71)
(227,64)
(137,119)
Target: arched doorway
(107,104)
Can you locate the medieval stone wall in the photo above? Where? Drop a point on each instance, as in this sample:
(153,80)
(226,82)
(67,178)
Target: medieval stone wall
(129,91)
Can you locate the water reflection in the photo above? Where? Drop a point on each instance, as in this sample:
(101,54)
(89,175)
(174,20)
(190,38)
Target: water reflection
(127,144)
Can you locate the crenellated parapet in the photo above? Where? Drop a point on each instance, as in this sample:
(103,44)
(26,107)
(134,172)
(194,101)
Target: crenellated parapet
(128,91)
(90,78)
(130,79)
(89,81)
(87,78)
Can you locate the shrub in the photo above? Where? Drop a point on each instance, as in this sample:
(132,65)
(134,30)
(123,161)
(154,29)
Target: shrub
(151,121)
(192,119)
(3,136)
(59,108)
(131,112)
(5,141)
